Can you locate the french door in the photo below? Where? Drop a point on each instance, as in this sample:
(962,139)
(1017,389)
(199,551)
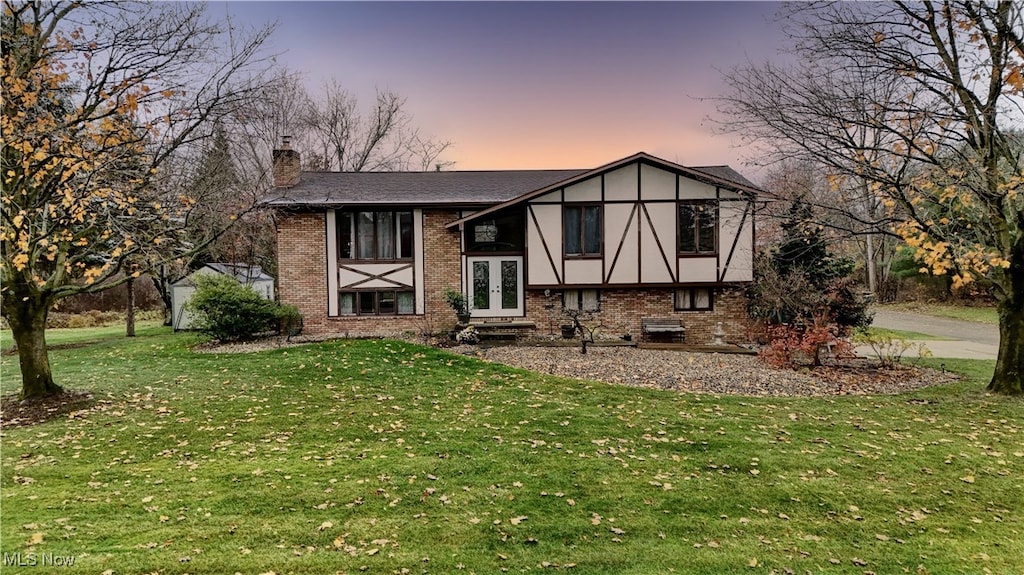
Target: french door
(496,286)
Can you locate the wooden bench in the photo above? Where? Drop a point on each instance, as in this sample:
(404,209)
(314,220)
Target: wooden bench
(653,326)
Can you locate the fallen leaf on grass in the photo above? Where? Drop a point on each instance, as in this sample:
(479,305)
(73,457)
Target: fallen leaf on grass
(325,525)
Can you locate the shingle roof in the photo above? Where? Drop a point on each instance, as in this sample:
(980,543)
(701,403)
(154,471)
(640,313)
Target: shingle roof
(469,188)
(726,173)
(455,188)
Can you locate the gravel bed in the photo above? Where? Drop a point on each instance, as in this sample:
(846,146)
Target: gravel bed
(714,373)
(708,372)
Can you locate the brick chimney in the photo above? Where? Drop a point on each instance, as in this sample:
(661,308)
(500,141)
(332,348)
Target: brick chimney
(286,164)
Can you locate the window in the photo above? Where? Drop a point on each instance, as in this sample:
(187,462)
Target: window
(698,227)
(502,233)
(375,235)
(581,299)
(376,303)
(694,299)
(582,227)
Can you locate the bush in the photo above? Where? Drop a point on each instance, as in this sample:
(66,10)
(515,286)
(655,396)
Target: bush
(289,320)
(889,349)
(227,310)
(792,345)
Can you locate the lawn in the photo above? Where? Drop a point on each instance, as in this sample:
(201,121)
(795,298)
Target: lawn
(982,314)
(388,457)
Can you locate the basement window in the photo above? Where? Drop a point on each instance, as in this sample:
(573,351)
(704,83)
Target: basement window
(581,300)
(694,299)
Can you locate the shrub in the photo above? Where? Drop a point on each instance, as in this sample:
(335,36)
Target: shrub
(889,349)
(289,320)
(227,310)
(791,345)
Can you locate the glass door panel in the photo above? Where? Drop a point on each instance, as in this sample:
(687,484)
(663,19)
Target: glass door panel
(496,286)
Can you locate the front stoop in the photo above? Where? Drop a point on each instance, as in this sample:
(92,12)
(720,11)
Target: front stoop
(510,331)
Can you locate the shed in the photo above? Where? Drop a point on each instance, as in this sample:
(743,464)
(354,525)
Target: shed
(182,290)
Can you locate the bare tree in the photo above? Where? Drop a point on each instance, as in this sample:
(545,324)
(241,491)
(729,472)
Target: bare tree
(341,138)
(914,105)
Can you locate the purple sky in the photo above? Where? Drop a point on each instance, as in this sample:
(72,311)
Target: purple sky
(533,85)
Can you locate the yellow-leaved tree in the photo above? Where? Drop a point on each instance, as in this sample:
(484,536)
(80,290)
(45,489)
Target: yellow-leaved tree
(919,106)
(96,98)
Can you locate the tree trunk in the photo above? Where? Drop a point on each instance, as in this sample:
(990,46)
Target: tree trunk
(27,318)
(1010,361)
(163,287)
(129,314)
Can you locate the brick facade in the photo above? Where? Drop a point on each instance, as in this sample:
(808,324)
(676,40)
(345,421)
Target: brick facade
(302,251)
(622,309)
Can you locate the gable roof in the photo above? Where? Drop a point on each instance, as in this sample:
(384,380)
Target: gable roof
(455,188)
(487,190)
(242,273)
(723,176)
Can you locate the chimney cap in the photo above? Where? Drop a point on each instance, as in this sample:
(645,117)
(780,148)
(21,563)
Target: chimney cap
(286,142)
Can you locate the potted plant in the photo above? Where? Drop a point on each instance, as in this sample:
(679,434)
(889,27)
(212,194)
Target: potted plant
(457,301)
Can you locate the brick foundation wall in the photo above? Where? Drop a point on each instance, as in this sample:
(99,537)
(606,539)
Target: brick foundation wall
(622,309)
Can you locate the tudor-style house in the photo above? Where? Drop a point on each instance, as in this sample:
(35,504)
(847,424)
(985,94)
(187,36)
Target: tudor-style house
(372,253)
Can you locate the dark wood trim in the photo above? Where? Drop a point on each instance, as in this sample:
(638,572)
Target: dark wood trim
(370,277)
(622,242)
(473,254)
(637,159)
(600,227)
(544,244)
(735,241)
(659,285)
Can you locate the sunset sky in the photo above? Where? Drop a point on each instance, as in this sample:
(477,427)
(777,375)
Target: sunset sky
(533,85)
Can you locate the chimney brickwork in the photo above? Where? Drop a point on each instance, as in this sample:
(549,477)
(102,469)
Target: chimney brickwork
(287,165)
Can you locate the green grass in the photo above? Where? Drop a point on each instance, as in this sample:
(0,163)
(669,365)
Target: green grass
(387,457)
(902,334)
(84,335)
(979,314)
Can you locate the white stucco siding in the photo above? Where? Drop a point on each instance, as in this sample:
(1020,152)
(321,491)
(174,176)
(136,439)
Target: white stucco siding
(588,190)
(587,271)
(617,216)
(620,184)
(555,196)
(657,184)
(657,244)
(332,264)
(740,266)
(419,270)
(544,238)
(698,269)
(690,189)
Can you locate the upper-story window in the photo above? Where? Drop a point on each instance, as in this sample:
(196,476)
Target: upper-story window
(582,227)
(698,227)
(381,235)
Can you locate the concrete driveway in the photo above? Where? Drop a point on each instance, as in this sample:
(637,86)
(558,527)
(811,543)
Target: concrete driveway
(964,339)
